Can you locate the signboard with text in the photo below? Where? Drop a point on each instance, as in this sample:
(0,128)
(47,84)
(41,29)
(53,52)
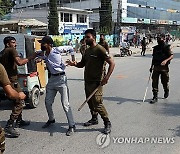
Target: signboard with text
(72,28)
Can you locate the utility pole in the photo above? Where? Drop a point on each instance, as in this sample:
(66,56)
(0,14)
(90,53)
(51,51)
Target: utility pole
(119,19)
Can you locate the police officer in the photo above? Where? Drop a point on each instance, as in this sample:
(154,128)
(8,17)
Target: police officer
(162,55)
(93,61)
(9,58)
(11,93)
(103,42)
(143,44)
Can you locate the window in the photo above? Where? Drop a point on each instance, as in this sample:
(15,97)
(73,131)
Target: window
(81,18)
(62,17)
(66,17)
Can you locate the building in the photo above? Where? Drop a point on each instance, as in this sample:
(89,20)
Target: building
(26,26)
(71,20)
(144,14)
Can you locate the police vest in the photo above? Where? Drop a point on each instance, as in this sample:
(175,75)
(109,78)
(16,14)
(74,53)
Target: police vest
(160,53)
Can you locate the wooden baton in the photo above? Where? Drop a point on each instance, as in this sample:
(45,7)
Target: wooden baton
(92,94)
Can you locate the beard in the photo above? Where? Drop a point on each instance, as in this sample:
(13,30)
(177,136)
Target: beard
(101,39)
(89,42)
(160,42)
(43,48)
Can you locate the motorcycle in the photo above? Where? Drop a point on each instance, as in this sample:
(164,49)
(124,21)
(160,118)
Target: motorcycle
(125,52)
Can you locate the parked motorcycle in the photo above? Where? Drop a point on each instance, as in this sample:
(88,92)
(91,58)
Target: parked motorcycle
(125,52)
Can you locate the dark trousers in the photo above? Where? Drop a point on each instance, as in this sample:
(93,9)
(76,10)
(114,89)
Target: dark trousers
(143,50)
(96,102)
(18,106)
(163,72)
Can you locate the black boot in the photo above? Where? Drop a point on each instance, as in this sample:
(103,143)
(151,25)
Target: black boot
(107,127)
(166,93)
(154,100)
(21,123)
(93,121)
(10,131)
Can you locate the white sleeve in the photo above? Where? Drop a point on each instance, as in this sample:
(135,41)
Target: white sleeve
(60,49)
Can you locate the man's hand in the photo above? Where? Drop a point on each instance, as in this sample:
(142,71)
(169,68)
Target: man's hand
(22,96)
(37,60)
(71,63)
(164,63)
(104,81)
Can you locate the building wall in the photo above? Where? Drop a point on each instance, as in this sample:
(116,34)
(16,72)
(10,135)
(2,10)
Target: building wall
(39,14)
(25,3)
(130,8)
(160,12)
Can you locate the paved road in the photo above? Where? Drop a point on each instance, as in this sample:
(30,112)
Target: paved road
(146,126)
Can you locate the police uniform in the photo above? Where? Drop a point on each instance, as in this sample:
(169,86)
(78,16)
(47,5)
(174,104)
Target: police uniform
(93,60)
(2,140)
(105,45)
(7,59)
(160,53)
(143,44)
(3,82)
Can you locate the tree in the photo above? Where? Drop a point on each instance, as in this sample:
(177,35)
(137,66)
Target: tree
(53,19)
(105,13)
(5,7)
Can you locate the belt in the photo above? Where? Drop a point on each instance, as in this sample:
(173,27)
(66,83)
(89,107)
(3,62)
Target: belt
(58,74)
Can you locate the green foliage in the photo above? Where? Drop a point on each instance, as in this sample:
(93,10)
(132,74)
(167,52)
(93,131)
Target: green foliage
(105,13)
(5,7)
(53,19)
(58,43)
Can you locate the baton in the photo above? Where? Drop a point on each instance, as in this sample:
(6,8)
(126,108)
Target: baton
(92,94)
(147,87)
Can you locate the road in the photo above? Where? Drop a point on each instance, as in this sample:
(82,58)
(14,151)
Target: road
(130,117)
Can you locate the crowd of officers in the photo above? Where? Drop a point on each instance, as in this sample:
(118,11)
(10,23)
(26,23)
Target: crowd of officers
(94,57)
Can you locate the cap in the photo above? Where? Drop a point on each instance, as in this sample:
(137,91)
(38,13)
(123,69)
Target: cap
(46,39)
(162,35)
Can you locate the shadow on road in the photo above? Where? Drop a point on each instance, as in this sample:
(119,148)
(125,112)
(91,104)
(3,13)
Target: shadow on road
(121,100)
(146,55)
(54,128)
(170,109)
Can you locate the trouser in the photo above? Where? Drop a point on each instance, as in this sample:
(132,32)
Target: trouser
(58,84)
(18,106)
(96,102)
(143,50)
(162,71)
(2,141)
